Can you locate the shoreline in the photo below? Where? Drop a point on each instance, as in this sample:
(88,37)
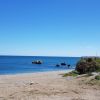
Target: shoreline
(31,73)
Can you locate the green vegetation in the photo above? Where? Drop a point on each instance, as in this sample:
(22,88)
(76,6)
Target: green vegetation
(97,77)
(95,81)
(89,74)
(88,65)
(98,60)
(73,73)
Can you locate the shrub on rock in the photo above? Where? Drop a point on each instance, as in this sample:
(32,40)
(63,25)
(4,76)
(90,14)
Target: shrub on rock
(87,65)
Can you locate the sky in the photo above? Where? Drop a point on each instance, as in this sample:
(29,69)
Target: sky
(50,27)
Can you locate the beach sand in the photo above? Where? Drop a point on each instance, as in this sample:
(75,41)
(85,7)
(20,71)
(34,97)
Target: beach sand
(46,86)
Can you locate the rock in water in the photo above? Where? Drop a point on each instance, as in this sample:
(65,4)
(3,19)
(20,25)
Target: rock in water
(57,65)
(37,62)
(63,64)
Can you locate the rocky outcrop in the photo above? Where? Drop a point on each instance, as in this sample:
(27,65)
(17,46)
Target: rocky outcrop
(37,62)
(57,65)
(63,64)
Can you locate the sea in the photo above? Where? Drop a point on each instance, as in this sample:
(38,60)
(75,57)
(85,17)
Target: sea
(23,64)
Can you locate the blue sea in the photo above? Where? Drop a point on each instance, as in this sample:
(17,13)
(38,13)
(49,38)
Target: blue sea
(23,64)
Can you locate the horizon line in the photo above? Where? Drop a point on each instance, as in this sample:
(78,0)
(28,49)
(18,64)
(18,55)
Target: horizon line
(48,56)
(41,55)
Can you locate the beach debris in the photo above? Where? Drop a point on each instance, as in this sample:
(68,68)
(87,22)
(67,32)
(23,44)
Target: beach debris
(37,62)
(31,83)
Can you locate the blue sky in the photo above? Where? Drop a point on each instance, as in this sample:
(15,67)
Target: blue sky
(50,27)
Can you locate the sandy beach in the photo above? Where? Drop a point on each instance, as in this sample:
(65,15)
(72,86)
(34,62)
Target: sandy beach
(46,86)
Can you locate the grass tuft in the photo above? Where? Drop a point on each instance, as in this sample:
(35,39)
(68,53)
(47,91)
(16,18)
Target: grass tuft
(97,77)
(73,73)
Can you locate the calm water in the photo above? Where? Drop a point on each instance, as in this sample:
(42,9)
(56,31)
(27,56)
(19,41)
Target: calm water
(23,64)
